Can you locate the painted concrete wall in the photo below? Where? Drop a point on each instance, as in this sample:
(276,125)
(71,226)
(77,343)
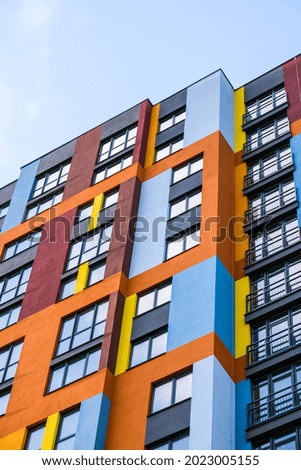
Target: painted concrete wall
(212,423)
(210,107)
(92,424)
(201,302)
(242,398)
(149,246)
(21,195)
(296,149)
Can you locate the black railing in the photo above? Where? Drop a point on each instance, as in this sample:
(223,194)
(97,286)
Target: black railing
(273,292)
(271,205)
(278,164)
(268,105)
(274,344)
(270,246)
(265,137)
(275,404)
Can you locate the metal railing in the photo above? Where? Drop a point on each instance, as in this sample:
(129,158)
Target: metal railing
(274,404)
(271,205)
(265,137)
(274,344)
(268,105)
(273,292)
(270,246)
(258,175)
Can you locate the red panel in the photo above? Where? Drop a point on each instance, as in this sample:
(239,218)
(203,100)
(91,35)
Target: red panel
(142,132)
(120,252)
(83,162)
(44,282)
(292,82)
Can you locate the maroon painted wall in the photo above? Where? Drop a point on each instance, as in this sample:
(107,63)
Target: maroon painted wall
(83,162)
(142,132)
(48,266)
(292,82)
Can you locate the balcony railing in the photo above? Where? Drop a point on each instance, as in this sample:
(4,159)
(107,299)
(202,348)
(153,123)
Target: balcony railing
(273,292)
(271,246)
(265,137)
(266,106)
(276,165)
(268,347)
(274,405)
(270,205)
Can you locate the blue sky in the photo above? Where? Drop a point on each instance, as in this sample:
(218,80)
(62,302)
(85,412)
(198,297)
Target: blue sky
(68,65)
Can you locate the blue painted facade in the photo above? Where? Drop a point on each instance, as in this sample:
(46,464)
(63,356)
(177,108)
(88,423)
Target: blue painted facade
(201,302)
(296,149)
(149,244)
(212,424)
(92,424)
(209,108)
(243,397)
(21,195)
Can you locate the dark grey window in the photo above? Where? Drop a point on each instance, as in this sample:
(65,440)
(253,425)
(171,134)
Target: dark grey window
(35,437)
(67,430)
(22,244)
(153,298)
(51,179)
(9,316)
(171,391)
(117,143)
(14,285)
(149,347)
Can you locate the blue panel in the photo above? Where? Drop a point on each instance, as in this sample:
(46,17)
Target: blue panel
(92,424)
(243,397)
(201,302)
(296,149)
(149,245)
(209,108)
(21,195)
(212,418)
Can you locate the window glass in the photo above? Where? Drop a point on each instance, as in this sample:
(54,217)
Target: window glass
(4,399)
(35,437)
(67,431)
(162,397)
(153,298)
(68,287)
(180,443)
(139,353)
(96,274)
(9,316)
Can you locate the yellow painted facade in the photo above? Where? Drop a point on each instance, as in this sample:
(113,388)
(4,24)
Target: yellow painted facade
(50,433)
(97,206)
(82,277)
(242,331)
(124,349)
(14,441)
(153,129)
(239,111)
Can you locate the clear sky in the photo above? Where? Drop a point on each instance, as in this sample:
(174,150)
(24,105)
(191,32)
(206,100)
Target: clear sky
(68,65)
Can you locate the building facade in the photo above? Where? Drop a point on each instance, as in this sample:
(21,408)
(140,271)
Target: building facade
(150,277)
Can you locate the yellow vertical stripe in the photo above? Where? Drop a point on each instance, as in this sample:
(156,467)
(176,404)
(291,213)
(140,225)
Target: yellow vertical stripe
(82,277)
(14,441)
(242,331)
(153,129)
(124,349)
(50,433)
(97,206)
(239,111)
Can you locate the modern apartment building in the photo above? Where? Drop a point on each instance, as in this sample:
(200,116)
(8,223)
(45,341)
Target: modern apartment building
(150,277)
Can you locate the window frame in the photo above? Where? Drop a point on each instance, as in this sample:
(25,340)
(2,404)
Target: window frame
(173,117)
(113,138)
(8,312)
(31,237)
(150,339)
(188,164)
(19,284)
(106,168)
(156,290)
(4,207)
(183,236)
(63,415)
(37,204)
(30,432)
(170,146)
(174,379)
(46,175)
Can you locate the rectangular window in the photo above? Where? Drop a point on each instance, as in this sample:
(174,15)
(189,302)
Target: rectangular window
(265,134)
(21,245)
(96,274)
(109,170)
(4,210)
(110,199)
(185,203)
(35,437)
(4,399)
(67,430)
(183,171)
(9,358)
(9,316)
(267,103)
(67,287)
(169,148)
(146,349)
(171,120)
(34,209)
(51,179)
(84,212)
(178,442)
(182,243)
(269,165)
(14,285)
(171,392)
(153,298)
(117,143)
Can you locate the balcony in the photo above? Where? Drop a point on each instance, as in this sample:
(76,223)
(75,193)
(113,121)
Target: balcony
(274,345)
(265,106)
(266,139)
(261,174)
(278,290)
(271,246)
(269,206)
(273,405)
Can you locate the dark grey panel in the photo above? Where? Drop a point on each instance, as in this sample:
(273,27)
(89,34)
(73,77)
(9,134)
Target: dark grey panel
(172,103)
(1,222)
(120,122)
(18,261)
(185,185)
(150,321)
(168,422)
(6,192)
(183,222)
(106,215)
(80,229)
(263,84)
(170,134)
(56,157)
